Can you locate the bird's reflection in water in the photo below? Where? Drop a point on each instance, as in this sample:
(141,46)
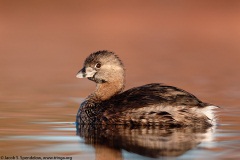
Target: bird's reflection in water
(146,141)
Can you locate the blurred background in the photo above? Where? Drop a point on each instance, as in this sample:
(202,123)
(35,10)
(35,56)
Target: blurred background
(194,45)
(189,44)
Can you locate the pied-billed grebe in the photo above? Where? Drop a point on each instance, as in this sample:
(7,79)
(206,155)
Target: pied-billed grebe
(151,104)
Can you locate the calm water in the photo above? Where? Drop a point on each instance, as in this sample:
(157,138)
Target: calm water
(48,130)
(192,45)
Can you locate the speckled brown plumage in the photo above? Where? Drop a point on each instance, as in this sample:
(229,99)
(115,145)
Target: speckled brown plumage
(151,104)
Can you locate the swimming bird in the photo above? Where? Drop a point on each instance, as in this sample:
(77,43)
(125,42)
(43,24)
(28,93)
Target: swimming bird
(154,104)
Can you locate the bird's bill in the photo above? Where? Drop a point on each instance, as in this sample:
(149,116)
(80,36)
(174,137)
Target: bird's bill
(86,72)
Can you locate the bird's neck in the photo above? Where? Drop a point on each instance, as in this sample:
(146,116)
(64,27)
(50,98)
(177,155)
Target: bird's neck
(106,90)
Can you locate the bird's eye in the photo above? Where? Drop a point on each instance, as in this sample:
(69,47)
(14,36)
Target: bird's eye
(98,65)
